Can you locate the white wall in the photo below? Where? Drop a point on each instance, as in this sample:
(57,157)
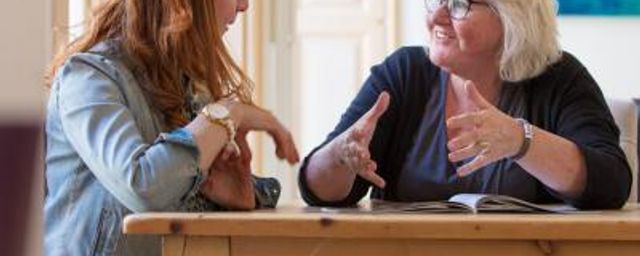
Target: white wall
(23,56)
(608,46)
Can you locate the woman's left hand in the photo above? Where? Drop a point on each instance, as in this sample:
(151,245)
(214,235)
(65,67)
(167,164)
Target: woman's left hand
(487,134)
(229,182)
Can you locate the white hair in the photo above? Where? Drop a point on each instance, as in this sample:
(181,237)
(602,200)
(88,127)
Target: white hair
(530,42)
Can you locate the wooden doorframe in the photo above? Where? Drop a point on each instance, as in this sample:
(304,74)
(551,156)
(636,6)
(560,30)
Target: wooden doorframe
(393,25)
(252,62)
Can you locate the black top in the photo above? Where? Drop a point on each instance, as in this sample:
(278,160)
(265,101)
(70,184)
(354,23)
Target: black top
(409,144)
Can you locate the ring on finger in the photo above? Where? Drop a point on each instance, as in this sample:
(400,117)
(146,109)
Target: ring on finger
(483,144)
(484,147)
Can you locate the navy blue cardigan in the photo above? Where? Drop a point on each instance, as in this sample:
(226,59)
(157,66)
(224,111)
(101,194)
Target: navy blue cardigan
(564,100)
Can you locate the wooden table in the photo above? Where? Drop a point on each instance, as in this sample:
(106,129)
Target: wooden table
(293,230)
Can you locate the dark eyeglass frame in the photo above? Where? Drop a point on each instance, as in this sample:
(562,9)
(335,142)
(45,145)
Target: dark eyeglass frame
(449,6)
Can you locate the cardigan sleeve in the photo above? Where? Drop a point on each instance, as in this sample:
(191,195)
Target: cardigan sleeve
(585,119)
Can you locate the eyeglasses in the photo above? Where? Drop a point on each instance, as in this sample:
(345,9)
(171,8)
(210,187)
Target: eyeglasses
(458,9)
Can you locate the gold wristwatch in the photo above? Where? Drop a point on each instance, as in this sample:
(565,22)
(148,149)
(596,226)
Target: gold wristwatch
(219,114)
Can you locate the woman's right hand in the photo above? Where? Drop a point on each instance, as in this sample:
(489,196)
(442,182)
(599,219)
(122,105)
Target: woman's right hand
(352,146)
(229,183)
(252,118)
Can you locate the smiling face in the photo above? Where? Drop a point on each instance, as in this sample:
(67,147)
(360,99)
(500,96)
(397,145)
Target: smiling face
(457,45)
(227,10)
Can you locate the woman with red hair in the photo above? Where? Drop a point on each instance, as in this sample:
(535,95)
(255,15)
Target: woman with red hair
(148,112)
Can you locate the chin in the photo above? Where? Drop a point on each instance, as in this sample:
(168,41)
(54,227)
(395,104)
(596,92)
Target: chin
(443,58)
(438,59)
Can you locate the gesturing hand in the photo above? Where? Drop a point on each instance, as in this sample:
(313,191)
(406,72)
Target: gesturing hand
(252,118)
(487,134)
(353,144)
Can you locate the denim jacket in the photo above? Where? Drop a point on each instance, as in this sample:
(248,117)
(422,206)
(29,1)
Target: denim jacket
(106,157)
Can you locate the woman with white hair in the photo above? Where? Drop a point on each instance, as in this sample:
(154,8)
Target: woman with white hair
(492,106)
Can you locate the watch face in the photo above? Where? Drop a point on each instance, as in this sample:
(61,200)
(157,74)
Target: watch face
(218,111)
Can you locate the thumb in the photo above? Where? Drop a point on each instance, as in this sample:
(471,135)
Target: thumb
(475,96)
(381,105)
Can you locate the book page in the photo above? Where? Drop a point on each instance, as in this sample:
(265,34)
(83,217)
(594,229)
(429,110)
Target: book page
(381,207)
(460,203)
(437,207)
(502,203)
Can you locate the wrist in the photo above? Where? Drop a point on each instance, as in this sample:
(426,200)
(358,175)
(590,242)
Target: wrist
(235,114)
(526,137)
(218,114)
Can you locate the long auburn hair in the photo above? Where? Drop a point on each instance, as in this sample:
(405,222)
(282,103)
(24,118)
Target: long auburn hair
(168,40)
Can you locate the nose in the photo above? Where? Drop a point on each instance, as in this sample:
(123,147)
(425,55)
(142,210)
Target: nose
(243,5)
(440,15)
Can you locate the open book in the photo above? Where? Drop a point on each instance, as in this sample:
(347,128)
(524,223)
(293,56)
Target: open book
(460,203)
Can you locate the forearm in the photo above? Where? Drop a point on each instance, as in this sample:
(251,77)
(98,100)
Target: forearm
(153,177)
(327,178)
(210,139)
(556,162)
